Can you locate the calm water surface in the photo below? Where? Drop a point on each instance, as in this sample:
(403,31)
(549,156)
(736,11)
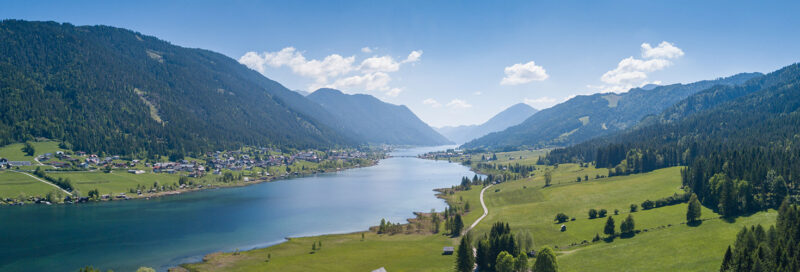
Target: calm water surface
(164,232)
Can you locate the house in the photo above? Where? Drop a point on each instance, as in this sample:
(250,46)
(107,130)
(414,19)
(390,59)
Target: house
(448,251)
(563,227)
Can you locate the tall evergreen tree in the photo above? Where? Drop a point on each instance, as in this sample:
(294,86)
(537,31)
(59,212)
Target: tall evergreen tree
(693,212)
(465,260)
(610,227)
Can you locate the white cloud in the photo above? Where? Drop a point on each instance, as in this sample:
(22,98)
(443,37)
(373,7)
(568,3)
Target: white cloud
(334,71)
(378,81)
(432,102)
(414,56)
(541,102)
(523,73)
(394,92)
(632,72)
(458,104)
(663,50)
(319,70)
(379,64)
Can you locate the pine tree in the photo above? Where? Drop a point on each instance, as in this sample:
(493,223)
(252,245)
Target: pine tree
(693,212)
(546,261)
(548,178)
(609,229)
(465,261)
(627,227)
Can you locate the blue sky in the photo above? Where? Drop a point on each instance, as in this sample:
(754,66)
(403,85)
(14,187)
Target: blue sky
(447,60)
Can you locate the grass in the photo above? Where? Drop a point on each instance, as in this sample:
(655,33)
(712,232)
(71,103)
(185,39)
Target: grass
(678,248)
(665,242)
(12,184)
(116,182)
(13,152)
(343,252)
(534,208)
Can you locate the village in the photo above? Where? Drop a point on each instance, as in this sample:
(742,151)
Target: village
(76,176)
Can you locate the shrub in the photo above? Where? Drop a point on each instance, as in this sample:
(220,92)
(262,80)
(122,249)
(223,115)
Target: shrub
(592,213)
(561,218)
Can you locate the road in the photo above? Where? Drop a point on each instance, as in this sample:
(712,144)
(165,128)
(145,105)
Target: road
(47,182)
(485,211)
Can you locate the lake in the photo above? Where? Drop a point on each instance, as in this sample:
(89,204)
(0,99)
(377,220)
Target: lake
(167,231)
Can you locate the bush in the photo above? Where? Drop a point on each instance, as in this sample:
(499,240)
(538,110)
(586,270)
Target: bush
(561,218)
(648,204)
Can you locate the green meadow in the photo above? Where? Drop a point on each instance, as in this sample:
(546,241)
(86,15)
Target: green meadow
(12,184)
(13,152)
(527,205)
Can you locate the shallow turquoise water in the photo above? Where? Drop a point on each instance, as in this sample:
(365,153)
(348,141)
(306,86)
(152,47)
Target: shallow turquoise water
(164,232)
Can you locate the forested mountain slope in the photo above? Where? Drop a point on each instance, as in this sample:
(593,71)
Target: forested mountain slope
(375,121)
(585,117)
(112,90)
(740,144)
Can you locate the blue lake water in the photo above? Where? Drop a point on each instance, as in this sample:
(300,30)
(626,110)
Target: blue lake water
(167,231)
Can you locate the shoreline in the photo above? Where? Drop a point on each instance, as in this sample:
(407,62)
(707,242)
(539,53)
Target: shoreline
(148,196)
(440,194)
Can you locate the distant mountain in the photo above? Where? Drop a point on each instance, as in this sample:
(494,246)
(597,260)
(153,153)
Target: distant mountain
(511,116)
(106,89)
(375,121)
(764,111)
(588,116)
(303,93)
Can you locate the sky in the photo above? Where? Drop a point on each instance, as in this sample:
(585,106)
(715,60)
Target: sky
(461,62)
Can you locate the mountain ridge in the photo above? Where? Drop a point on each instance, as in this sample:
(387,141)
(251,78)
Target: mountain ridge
(376,121)
(510,116)
(587,116)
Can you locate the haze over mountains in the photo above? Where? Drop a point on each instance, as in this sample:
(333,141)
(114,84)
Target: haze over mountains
(101,88)
(588,116)
(375,121)
(509,117)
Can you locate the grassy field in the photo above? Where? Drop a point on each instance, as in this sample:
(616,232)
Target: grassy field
(526,205)
(344,252)
(677,248)
(13,152)
(115,182)
(665,242)
(12,184)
